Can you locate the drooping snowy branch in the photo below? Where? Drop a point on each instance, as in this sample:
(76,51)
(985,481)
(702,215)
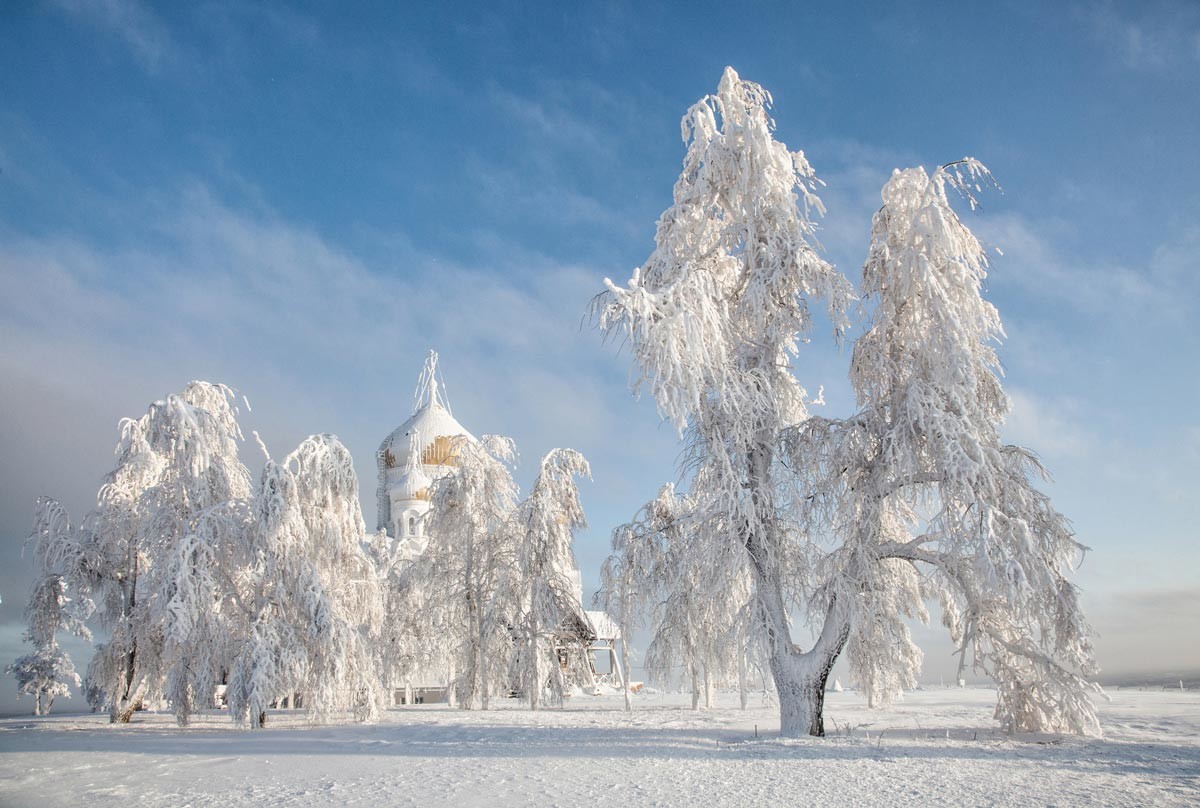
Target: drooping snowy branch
(172,463)
(49,672)
(924,454)
(699,608)
(831,516)
(549,606)
(713,319)
(315,603)
(461,597)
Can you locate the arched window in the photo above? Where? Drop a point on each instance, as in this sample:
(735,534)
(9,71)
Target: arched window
(412,525)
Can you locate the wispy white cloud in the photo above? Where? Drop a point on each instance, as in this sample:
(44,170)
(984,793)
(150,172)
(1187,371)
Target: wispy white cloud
(133,22)
(854,173)
(1150,37)
(561,164)
(554,124)
(1049,425)
(1166,285)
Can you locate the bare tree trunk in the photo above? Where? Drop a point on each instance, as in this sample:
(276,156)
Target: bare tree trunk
(123,709)
(708,688)
(124,704)
(482,671)
(534,666)
(469,681)
(743,695)
(799,677)
(469,691)
(625,673)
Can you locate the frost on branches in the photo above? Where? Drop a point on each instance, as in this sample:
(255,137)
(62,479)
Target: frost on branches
(543,526)
(700,609)
(712,318)
(201,581)
(926,500)
(48,672)
(832,518)
(461,585)
(314,606)
(172,463)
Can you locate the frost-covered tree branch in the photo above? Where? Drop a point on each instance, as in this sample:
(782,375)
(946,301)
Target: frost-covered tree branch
(832,517)
(712,318)
(313,608)
(924,452)
(462,600)
(544,524)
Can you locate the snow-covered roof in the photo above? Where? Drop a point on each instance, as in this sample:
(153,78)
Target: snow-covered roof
(413,484)
(605,627)
(430,422)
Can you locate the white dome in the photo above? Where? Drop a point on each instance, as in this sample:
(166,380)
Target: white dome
(427,424)
(418,451)
(414,484)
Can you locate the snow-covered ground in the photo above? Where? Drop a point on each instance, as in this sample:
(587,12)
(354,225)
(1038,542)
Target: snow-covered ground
(938,747)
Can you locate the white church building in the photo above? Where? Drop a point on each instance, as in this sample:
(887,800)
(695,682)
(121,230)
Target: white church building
(415,454)
(420,451)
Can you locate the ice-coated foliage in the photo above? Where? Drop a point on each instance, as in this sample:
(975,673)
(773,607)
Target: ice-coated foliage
(720,302)
(178,459)
(314,604)
(201,580)
(824,512)
(543,526)
(460,593)
(700,609)
(926,442)
(208,577)
(45,674)
(713,319)
(884,661)
(49,672)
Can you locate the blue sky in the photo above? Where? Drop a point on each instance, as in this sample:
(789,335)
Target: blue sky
(300,203)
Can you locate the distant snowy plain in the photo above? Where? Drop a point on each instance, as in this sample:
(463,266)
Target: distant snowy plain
(937,747)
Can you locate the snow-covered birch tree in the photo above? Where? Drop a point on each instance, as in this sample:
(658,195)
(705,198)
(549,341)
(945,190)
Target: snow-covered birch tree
(172,463)
(207,585)
(837,516)
(465,573)
(713,320)
(48,672)
(544,525)
(314,605)
(923,498)
(621,594)
(662,573)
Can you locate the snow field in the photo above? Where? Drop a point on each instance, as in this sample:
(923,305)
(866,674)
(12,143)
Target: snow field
(937,747)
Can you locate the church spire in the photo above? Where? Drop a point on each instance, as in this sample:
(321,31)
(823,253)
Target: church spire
(428,390)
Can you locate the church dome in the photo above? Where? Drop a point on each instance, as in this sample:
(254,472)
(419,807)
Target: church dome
(413,484)
(418,451)
(430,430)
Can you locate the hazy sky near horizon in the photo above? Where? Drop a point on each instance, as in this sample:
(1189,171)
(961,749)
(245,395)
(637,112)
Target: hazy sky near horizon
(300,203)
